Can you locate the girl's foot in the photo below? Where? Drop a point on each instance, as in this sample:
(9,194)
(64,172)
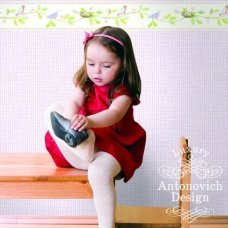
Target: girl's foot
(62,129)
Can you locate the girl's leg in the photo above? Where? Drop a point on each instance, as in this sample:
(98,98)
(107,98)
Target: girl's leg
(55,152)
(79,156)
(101,173)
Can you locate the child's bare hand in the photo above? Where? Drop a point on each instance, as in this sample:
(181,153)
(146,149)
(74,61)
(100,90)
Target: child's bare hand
(79,122)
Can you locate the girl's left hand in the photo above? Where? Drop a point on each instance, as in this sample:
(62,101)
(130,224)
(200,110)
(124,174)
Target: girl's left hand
(79,122)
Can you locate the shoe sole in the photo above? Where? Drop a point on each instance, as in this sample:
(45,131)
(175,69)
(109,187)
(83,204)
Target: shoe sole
(67,134)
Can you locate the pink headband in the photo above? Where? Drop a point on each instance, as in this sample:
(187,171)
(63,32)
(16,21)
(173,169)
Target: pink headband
(90,35)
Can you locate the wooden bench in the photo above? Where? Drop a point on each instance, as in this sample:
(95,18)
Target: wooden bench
(34,176)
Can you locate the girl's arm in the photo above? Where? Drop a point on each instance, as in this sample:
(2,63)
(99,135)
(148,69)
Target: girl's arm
(75,103)
(113,115)
(105,118)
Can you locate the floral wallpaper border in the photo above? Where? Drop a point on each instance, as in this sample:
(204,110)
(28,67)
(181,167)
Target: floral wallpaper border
(131,15)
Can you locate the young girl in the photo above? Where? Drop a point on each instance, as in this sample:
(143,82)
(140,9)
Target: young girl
(107,86)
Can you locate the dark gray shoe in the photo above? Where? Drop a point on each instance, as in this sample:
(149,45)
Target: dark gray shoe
(62,129)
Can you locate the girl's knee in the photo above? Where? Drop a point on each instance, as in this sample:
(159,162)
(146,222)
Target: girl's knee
(103,169)
(98,175)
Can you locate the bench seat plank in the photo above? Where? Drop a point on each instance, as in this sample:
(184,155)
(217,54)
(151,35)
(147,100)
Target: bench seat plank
(34,175)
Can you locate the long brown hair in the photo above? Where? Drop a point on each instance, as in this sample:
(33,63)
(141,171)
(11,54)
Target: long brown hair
(129,76)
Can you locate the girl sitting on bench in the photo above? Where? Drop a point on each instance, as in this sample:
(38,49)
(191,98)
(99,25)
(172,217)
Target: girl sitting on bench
(96,131)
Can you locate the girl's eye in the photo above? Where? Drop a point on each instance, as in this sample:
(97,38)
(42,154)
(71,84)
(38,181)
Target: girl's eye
(106,66)
(90,64)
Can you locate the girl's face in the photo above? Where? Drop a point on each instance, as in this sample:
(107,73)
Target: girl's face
(102,65)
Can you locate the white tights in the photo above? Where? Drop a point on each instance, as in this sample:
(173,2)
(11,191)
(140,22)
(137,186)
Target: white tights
(101,173)
(102,168)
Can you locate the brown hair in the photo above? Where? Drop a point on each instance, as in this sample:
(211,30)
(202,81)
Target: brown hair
(129,76)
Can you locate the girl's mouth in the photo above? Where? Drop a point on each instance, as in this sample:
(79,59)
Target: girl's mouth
(98,80)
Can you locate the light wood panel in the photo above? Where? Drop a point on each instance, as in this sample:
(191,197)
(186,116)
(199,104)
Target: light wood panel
(35,167)
(185,179)
(45,190)
(209,226)
(211,222)
(65,220)
(34,175)
(145,215)
(46,226)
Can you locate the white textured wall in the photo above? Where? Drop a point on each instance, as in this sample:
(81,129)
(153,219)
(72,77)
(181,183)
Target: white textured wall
(185,90)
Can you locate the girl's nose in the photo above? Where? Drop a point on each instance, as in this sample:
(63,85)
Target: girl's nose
(97,69)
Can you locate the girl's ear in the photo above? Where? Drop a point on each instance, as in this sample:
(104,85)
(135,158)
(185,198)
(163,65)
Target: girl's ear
(121,69)
(122,66)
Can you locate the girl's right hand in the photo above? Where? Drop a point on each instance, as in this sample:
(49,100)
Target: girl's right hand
(79,122)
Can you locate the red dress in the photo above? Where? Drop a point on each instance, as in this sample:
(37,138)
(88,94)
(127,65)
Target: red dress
(124,140)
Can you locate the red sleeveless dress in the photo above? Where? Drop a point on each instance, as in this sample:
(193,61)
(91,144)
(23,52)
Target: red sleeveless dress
(125,140)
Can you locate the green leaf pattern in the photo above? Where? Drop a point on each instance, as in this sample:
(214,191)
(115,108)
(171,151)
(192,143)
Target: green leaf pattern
(131,15)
